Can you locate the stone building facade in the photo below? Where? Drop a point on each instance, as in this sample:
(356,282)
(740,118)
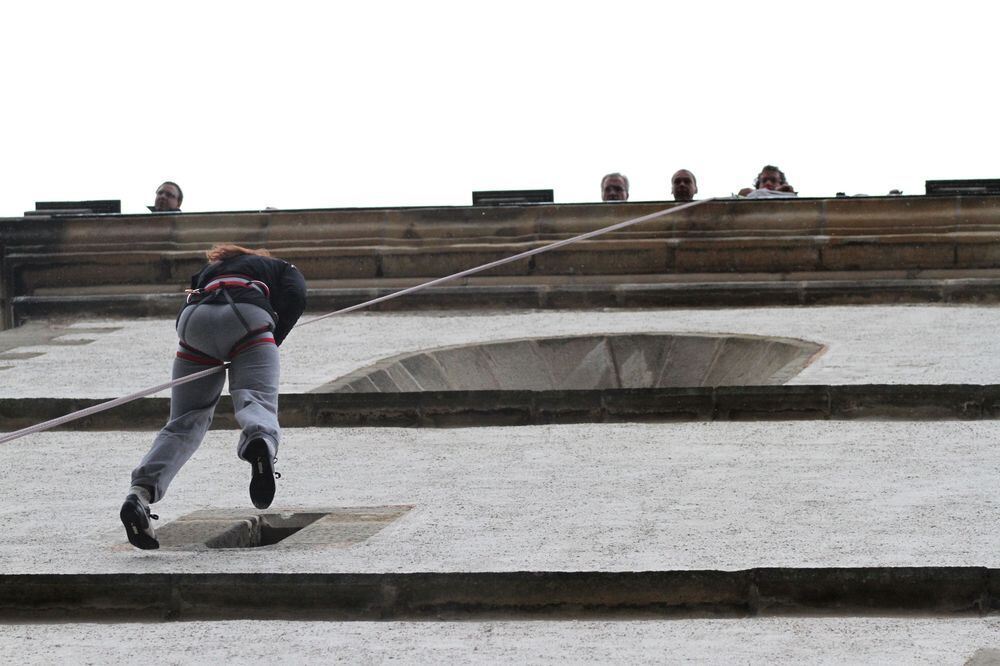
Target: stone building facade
(747,409)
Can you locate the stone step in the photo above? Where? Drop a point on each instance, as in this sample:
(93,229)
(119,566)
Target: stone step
(30,272)
(912,402)
(806,217)
(130,302)
(485,280)
(867,591)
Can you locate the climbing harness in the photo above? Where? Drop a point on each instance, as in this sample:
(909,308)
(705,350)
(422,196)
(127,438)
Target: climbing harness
(210,294)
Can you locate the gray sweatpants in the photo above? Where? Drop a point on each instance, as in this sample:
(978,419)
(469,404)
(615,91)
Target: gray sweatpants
(253,385)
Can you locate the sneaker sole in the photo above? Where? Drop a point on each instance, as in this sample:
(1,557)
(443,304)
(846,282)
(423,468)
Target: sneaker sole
(136,522)
(262,485)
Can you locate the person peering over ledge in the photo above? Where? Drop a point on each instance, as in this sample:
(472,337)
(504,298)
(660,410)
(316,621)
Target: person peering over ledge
(169,198)
(614,187)
(683,185)
(769,184)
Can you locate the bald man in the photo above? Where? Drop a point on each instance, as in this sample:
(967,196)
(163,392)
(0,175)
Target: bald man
(683,185)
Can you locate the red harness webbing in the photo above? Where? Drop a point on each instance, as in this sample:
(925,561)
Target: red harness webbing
(225,281)
(198,356)
(239,348)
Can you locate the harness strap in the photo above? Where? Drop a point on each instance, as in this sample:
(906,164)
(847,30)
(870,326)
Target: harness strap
(242,281)
(248,340)
(239,315)
(239,348)
(224,282)
(196,355)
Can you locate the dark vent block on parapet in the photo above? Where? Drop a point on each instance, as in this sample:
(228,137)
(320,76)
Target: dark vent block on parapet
(90,207)
(511,197)
(970,187)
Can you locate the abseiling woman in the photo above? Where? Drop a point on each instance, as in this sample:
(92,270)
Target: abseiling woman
(239,309)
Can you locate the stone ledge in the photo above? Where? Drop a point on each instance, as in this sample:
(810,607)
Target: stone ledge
(686,294)
(725,217)
(436,409)
(29,274)
(933,591)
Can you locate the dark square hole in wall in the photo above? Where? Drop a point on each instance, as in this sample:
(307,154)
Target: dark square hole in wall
(274,528)
(265,529)
(232,529)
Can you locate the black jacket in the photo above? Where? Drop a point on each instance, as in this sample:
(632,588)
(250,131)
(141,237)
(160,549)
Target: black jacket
(284,281)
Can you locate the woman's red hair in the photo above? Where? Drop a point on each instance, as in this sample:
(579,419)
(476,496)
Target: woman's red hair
(224,251)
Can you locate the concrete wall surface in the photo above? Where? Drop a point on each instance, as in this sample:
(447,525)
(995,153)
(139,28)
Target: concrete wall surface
(864,345)
(834,641)
(587,497)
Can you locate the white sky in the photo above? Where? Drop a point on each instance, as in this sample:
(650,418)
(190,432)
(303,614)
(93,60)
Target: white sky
(328,104)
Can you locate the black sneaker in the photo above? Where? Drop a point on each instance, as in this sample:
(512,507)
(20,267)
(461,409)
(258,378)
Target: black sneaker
(136,518)
(262,474)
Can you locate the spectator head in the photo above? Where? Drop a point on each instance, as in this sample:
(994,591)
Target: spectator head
(683,185)
(169,197)
(770,178)
(614,187)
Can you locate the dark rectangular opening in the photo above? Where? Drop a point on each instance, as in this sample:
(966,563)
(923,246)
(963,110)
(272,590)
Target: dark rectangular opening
(978,186)
(511,197)
(263,530)
(89,207)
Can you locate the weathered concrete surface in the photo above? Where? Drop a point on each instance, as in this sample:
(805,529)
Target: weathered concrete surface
(984,657)
(618,497)
(875,641)
(865,345)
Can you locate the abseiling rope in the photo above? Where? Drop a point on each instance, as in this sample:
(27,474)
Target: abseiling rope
(110,404)
(507,260)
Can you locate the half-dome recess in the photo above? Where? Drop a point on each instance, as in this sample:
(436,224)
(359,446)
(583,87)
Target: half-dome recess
(599,361)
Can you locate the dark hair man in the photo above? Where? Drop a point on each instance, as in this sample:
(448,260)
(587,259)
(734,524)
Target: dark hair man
(683,185)
(168,198)
(770,183)
(614,187)
(772,178)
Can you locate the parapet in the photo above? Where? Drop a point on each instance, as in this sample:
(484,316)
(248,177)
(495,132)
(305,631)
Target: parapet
(872,249)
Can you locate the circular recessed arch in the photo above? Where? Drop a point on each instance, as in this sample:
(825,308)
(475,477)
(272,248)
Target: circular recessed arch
(597,361)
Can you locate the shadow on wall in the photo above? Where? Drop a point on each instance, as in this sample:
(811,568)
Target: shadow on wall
(627,360)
